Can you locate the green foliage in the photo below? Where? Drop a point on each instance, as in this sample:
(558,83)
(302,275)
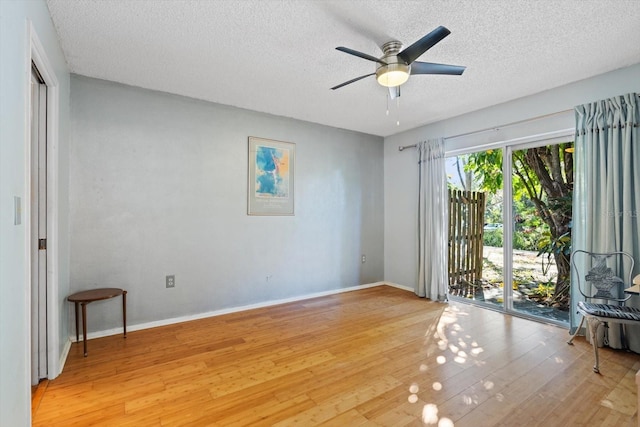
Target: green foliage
(528,226)
(493,208)
(558,245)
(493,238)
(545,290)
(486,167)
(525,238)
(550,247)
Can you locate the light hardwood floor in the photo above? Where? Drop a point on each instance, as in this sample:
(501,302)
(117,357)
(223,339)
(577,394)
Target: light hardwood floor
(375,357)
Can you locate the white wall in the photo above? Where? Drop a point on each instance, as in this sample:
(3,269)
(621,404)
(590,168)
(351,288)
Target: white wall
(159,186)
(400,182)
(15,392)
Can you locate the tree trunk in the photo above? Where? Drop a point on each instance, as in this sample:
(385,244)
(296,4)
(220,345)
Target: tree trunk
(545,163)
(561,294)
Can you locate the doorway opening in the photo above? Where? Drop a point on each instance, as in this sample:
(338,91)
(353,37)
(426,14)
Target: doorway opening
(50,329)
(523,234)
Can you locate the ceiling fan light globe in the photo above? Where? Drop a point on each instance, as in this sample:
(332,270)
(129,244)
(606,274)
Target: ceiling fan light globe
(392,75)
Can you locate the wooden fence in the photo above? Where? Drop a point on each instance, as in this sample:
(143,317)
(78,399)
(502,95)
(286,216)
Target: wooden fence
(466,230)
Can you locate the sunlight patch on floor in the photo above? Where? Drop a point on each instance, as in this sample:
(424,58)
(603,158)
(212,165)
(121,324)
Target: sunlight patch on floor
(454,347)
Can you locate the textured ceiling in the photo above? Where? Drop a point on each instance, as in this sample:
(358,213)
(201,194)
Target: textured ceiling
(279,56)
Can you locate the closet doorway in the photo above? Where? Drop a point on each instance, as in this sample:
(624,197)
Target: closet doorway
(38,224)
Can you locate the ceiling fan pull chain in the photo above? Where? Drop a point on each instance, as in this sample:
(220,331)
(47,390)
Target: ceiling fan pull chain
(388,96)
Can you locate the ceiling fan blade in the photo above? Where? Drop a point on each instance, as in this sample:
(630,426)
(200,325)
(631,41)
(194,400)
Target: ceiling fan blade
(431,68)
(351,81)
(394,92)
(360,54)
(412,52)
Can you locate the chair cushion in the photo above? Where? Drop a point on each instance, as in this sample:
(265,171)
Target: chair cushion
(610,311)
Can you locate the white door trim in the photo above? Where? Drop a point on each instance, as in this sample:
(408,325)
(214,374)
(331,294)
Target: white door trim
(38,56)
(550,137)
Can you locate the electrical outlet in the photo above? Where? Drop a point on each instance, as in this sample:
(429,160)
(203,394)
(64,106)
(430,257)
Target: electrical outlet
(364,259)
(171,281)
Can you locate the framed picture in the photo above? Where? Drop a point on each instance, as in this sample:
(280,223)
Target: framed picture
(271,177)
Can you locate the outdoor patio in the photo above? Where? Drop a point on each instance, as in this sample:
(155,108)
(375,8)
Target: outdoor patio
(529,286)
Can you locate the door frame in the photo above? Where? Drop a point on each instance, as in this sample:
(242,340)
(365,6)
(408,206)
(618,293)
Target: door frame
(37,55)
(508,146)
(39,368)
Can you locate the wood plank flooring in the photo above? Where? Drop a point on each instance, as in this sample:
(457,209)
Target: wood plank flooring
(375,357)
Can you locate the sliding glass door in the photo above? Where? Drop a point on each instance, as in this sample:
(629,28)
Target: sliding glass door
(524,238)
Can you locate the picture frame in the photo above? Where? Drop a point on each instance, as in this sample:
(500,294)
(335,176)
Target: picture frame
(271,177)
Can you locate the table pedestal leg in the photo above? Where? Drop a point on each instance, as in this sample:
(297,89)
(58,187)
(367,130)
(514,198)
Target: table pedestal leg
(124,312)
(84,327)
(77,328)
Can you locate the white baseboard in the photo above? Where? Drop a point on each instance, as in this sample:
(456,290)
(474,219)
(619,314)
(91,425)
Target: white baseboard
(395,285)
(64,355)
(61,360)
(171,321)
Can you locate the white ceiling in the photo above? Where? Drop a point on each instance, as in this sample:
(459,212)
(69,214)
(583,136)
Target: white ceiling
(279,56)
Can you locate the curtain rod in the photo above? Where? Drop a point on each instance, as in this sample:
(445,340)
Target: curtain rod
(494,128)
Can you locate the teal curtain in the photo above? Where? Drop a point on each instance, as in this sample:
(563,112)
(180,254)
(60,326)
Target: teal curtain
(606,197)
(432,221)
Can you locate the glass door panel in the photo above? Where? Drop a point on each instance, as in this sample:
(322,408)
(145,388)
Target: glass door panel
(475,227)
(541,200)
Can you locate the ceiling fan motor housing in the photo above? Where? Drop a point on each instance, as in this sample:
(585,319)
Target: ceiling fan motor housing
(396,72)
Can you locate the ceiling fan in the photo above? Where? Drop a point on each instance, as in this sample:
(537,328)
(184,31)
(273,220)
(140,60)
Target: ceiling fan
(395,66)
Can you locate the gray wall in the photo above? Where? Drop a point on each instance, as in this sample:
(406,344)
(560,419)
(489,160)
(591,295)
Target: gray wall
(15,392)
(540,113)
(158,186)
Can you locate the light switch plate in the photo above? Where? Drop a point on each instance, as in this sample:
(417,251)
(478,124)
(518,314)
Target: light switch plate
(17,210)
